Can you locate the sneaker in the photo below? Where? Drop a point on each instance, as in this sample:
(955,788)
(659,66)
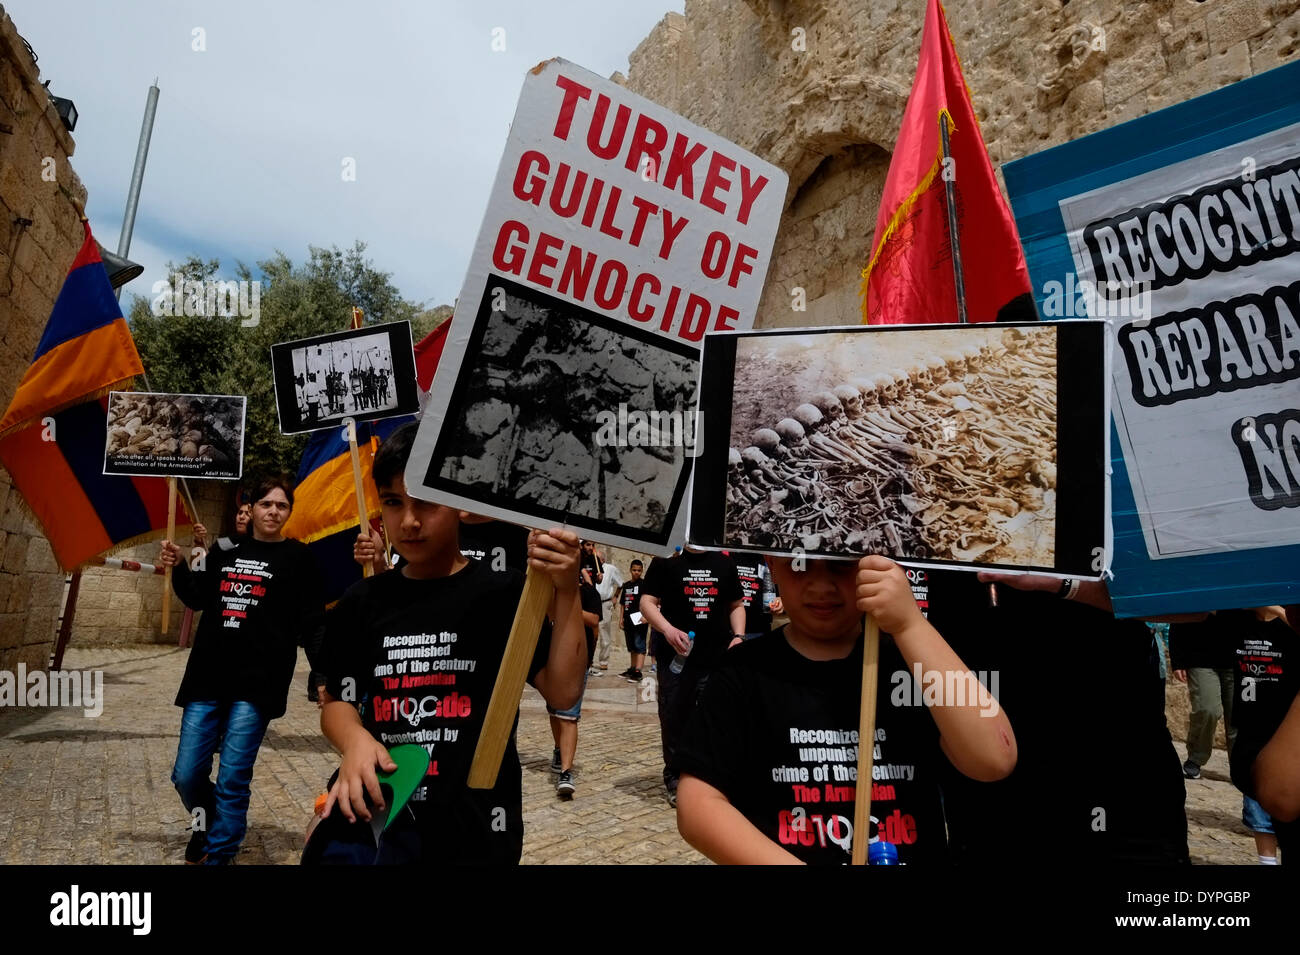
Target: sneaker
(654,668)
(593,671)
(636,676)
(1191,770)
(564,785)
(556,766)
(672,798)
(631,676)
(194,851)
(604,666)
(626,674)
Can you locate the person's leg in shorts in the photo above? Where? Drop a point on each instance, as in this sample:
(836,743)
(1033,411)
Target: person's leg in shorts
(634,639)
(1260,824)
(564,730)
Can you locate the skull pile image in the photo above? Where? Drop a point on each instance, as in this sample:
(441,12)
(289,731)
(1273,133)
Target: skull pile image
(924,444)
(186,429)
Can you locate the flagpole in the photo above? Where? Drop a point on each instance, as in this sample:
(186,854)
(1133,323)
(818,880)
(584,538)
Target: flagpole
(950,192)
(958,280)
(137,175)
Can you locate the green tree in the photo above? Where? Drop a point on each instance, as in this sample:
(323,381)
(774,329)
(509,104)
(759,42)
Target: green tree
(204,355)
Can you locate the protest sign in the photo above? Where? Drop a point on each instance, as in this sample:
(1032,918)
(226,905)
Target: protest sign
(616,235)
(169,435)
(939,445)
(361,374)
(1183,228)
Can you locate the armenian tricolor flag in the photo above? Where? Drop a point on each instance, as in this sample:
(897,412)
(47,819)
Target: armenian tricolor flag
(325,512)
(52,437)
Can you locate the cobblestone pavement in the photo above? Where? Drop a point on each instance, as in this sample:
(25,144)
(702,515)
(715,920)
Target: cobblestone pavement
(97,791)
(78,790)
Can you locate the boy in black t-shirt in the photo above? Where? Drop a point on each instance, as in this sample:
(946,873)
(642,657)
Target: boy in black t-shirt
(769,761)
(411,656)
(634,633)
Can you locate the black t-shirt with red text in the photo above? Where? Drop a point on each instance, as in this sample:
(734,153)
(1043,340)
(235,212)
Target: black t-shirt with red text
(420,659)
(777,734)
(696,591)
(261,601)
(752,571)
(1267,679)
(630,601)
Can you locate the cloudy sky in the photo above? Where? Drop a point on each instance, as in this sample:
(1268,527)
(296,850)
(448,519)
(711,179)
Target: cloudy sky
(252,131)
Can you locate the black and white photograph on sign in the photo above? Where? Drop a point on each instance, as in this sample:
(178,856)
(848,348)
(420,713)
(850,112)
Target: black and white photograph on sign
(934,443)
(169,435)
(362,374)
(566,413)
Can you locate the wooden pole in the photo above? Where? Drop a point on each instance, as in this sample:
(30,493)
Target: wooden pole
(69,611)
(363,525)
(171,535)
(504,706)
(866,738)
(949,191)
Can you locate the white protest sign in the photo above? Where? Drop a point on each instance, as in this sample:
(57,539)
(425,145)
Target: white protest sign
(1207,403)
(617,234)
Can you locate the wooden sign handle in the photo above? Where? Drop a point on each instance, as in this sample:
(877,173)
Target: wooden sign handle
(171,536)
(866,737)
(500,718)
(363,525)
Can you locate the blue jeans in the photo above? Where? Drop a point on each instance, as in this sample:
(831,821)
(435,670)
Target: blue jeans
(237,730)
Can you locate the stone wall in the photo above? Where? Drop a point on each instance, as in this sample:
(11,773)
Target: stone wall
(40,233)
(1041,73)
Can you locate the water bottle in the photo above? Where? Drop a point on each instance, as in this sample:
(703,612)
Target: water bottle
(882,853)
(679,661)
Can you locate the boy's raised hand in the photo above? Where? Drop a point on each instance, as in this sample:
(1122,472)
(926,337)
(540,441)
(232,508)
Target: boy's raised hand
(556,553)
(883,592)
(357,777)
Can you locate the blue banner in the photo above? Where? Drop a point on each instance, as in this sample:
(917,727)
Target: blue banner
(1183,229)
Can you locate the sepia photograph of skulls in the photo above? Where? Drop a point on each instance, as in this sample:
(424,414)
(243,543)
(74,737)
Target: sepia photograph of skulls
(166,435)
(563,411)
(935,443)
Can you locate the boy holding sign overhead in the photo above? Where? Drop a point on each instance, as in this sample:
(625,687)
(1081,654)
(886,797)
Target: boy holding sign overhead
(769,761)
(411,656)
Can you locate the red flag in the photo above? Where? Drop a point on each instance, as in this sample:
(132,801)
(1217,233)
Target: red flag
(908,278)
(52,438)
(428,352)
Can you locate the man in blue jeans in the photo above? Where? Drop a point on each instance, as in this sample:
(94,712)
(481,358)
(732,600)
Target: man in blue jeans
(262,597)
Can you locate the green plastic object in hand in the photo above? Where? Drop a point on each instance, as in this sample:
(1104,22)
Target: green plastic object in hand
(412,763)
